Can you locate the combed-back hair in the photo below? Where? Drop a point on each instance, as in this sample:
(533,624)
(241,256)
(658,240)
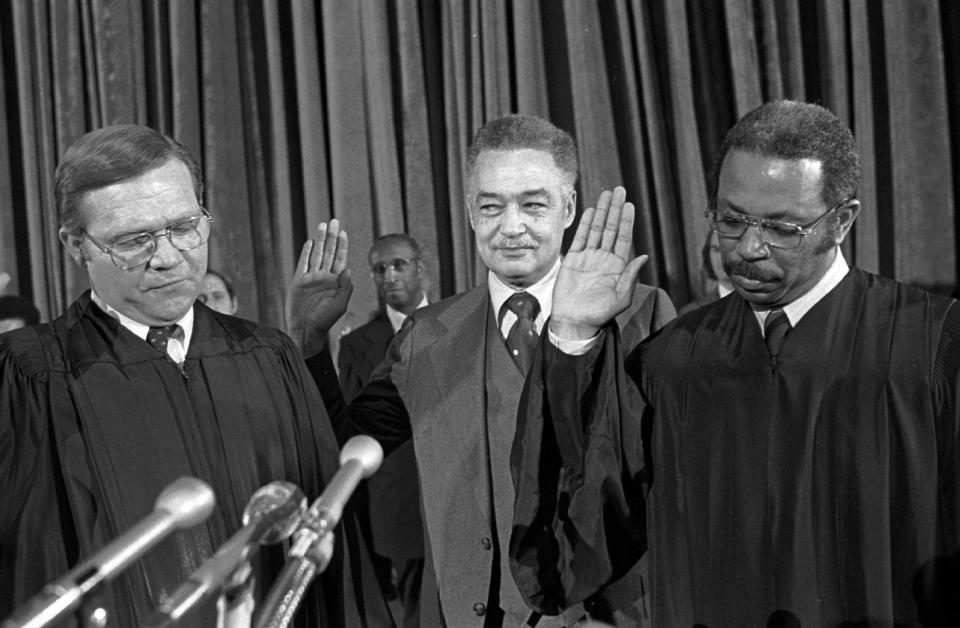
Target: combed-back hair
(788,129)
(516,132)
(110,155)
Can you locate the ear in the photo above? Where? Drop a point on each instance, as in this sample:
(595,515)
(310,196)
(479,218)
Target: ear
(470,215)
(74,246)
(843,220)
(570,209)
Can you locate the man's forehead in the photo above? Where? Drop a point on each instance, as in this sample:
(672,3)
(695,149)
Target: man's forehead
(143,202)
(391,249)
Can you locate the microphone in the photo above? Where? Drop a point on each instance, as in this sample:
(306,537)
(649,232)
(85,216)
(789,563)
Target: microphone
(271,515)
(359,459)
(182,504)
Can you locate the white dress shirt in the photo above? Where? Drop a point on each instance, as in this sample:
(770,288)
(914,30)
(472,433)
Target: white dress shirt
(176,349)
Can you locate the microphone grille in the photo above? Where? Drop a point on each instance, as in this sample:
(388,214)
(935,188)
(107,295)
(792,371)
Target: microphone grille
(365,450)
(188,500)
(283,503)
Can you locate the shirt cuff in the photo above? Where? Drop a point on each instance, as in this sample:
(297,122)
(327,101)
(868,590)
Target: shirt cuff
(572,347)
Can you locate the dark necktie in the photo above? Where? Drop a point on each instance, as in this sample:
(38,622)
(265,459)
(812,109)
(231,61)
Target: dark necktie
(774,329)
(160,336)
(522,337)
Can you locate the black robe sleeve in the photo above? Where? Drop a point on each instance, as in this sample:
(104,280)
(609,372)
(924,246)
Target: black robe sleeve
(579,520)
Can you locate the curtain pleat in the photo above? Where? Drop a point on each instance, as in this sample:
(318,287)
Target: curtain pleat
(302,111)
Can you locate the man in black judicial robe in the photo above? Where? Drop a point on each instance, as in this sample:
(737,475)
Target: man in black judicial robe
(95,420)
(800,477)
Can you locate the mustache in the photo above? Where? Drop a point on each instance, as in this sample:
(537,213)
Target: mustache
(745,269)
(514,244)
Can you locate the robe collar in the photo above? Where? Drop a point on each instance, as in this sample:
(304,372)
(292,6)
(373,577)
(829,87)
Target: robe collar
(139,329)
(798,308)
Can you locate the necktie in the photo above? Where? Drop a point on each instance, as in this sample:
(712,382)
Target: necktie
(522,337)
(774,329)
(160,336)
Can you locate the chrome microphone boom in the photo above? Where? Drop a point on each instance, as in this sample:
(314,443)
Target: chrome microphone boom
(359,459)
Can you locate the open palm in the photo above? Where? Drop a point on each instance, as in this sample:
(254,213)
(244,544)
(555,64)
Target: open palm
(597,276)
(320,288)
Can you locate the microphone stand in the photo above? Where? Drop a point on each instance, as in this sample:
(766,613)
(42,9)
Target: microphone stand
(308,557)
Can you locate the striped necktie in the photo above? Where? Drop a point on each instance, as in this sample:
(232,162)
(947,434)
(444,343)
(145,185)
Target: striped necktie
(775,328)
(522,337)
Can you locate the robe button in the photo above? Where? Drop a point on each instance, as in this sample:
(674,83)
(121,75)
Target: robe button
(479,609)
(485,543)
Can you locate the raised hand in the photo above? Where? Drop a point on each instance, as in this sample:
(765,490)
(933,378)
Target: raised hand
(320,289)
(597,275)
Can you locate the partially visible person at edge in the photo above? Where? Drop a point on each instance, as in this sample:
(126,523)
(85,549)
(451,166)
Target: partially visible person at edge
(17,312)
(452,377)
(788,455)
(397,268)
(137,385)
(217,293)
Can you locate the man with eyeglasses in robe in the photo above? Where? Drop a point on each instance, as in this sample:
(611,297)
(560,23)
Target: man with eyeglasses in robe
(138,384)
(788,455)
(393,493)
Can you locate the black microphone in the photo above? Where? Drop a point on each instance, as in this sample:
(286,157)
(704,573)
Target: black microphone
(182,504)
(271,515)
(360,458)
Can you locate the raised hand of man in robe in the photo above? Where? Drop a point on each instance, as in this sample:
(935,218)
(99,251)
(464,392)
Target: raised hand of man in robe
(598,275)
(320,288)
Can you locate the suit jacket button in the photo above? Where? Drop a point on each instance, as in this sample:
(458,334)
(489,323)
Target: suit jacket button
(479,609)
(485,543)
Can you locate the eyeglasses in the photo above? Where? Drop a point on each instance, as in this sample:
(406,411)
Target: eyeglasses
(137,250)
(398,264)
(776,233)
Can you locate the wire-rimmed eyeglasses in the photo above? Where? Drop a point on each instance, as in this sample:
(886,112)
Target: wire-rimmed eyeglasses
(776,233)
(398,264)
(135,251)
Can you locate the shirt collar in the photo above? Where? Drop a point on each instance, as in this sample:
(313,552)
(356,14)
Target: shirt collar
(797,309)
(139,329)
(542,290)
(396,317)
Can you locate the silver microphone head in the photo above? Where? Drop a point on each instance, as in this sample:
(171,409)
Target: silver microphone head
(188,499)
(365,450)
(283,503)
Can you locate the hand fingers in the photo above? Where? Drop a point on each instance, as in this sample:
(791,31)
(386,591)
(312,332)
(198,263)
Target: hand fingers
(623,243)
(583,227)
(330,245)
(611,228)
(340,258)
(599,220)
(303,262)
(319,243)
(630,274)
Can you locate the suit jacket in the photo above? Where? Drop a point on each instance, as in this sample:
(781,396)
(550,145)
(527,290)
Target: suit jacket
(431,387)
(394,489)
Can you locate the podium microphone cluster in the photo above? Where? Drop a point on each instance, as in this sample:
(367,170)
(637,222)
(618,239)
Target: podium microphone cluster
(271,515)
(182,504)
(359,459)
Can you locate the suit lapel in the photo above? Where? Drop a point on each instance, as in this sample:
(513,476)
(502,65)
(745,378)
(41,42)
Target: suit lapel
(458,359)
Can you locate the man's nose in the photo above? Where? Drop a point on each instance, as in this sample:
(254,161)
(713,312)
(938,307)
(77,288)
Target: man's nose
(165,255)
(751,246)
(511,223)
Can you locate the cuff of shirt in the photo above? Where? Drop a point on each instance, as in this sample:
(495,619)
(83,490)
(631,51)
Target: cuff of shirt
(572,347)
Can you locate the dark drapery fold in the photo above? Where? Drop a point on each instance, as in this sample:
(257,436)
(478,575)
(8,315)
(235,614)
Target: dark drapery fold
(304,111)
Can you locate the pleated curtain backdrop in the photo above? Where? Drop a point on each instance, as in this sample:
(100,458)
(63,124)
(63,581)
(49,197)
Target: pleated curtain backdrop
(362,110)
